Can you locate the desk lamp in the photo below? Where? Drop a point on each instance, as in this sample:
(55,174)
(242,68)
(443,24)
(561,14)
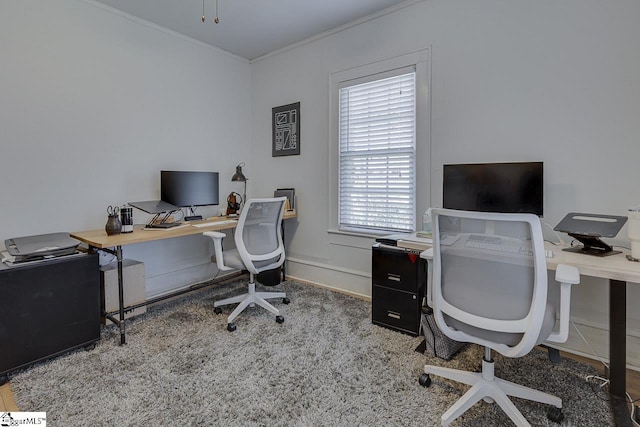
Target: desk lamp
(239,177)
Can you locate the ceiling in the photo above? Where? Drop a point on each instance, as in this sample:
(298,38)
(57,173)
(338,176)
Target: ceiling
(252,28)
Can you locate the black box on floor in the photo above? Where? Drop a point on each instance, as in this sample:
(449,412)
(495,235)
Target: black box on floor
(48,307)
(270,277)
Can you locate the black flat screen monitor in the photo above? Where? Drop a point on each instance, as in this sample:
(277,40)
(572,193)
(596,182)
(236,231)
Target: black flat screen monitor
(494,187)
(188,189)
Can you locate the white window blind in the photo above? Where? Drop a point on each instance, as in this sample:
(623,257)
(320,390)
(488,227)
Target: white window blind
(377,138)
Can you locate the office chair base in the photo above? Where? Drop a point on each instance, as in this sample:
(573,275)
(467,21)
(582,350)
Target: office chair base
(250,299)
(484,385)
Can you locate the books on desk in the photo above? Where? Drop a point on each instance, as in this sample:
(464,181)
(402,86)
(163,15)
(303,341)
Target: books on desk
(411,241)
(391,239)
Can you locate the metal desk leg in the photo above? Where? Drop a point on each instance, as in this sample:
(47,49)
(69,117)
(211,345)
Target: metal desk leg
(121,295)
(283,269)
(120,322)
(618,351)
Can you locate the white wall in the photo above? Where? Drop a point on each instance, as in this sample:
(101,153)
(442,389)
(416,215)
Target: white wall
(93,104)
(511,81)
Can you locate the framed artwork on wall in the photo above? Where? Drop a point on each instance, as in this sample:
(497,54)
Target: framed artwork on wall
(285,122)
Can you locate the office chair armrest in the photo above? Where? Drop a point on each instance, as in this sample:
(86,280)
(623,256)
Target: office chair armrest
(217,237)
(566,275)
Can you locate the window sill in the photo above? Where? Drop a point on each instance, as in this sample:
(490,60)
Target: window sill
(352,238)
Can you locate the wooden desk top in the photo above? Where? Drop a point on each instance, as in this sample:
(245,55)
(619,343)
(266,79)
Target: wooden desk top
(140,234)
(616,267)
(612,267)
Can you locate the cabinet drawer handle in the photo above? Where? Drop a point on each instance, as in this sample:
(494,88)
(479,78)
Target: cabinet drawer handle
(394,277)
(393,315)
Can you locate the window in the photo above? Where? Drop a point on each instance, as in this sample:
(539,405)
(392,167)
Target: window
(377,152)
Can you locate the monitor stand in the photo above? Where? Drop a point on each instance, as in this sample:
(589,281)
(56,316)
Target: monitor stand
(592,245)
(193,216)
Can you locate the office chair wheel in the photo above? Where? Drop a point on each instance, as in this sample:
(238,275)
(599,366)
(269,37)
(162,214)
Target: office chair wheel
(555,415)
(424,380)
(231,327)
(217,310)
(286,300)
(279,319)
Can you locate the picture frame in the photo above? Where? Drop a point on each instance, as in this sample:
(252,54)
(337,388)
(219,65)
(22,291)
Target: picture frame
(285,122)
(290,194)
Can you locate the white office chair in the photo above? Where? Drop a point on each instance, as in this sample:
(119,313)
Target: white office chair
(489,287)
(259,247)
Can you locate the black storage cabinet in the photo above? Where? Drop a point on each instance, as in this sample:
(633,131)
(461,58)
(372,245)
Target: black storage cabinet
(47,308)
(399,280)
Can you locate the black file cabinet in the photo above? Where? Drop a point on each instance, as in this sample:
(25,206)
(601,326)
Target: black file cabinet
(47,308)
(399,280)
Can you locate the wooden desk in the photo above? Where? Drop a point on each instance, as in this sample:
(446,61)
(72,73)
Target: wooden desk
(99,240)
(619,271)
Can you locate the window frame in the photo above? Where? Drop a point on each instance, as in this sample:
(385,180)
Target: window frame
(367,154)
(418,60)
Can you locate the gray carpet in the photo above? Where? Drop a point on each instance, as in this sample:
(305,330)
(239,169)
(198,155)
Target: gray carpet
(326,365)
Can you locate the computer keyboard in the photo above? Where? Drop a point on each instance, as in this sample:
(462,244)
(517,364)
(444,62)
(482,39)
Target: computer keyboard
(211,223)
(496,244)
(513,249)
(484,239)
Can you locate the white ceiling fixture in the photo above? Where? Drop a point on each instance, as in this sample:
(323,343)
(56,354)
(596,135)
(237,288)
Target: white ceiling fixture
(253,28)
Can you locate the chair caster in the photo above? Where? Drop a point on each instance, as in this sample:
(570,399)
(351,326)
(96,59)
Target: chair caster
(555,415)
(279,319)
(286,300)
(217,310)
(424,380)
(231,327)
(4,379)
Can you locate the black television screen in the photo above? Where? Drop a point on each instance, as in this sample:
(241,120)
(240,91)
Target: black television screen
(494,187)
(186,189)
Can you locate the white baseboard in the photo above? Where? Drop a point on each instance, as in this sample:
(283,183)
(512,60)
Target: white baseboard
(354,282)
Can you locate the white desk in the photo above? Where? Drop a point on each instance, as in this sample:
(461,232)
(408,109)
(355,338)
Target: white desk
(619,271)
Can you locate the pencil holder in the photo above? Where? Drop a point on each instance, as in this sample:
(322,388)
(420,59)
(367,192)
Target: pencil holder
(113,226)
